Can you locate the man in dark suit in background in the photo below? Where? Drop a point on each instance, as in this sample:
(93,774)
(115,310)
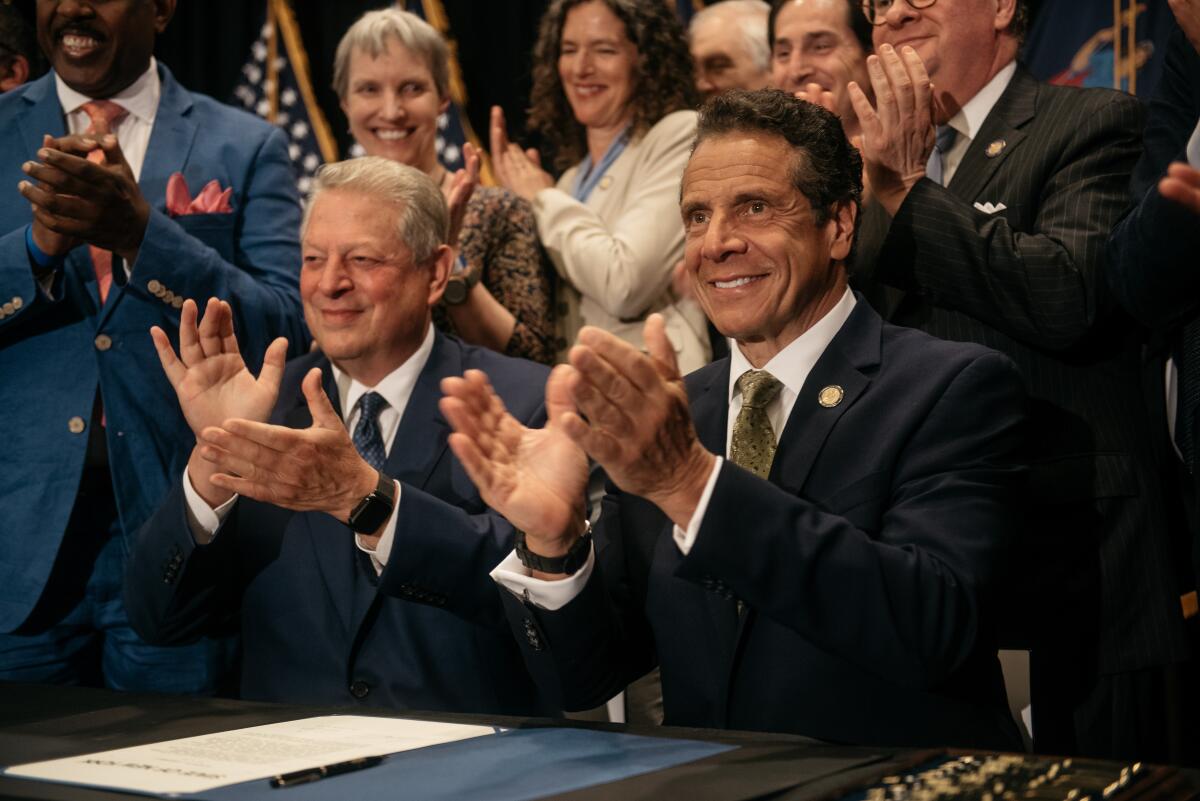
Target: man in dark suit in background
(356,565)
(833,576)
(1154,270)
(90,258)
(991,228)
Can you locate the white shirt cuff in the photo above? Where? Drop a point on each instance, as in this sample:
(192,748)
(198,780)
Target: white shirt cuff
(552,595)
(1193,148)
(383,548)
(686,538)
(203,520)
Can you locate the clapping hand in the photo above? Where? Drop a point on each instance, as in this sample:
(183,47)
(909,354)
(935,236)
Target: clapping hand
(898,134)
(534,477)
(1182,185)
(77,199)
(519,171)
(458,192)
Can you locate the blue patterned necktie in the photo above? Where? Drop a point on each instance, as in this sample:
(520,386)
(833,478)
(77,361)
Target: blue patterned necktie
(367,437)
(935,168)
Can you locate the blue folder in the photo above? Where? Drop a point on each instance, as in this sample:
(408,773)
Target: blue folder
(514,765)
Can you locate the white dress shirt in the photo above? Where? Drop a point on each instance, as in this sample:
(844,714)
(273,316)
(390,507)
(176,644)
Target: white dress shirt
(396,388)
(791,366)
(970,118)
(140,99)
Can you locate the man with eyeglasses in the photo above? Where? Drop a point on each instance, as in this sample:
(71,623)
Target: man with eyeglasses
(994,195)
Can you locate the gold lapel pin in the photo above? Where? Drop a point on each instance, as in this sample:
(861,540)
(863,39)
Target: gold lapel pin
(831,396)
(606,182)
(995,148)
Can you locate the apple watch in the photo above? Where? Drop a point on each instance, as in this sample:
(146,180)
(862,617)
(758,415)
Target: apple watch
(374,510)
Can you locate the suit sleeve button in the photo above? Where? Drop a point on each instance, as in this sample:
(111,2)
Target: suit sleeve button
(359,689)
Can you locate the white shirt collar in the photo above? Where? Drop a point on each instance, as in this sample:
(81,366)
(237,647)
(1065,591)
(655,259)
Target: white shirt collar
(140,98)
(793,364)
(396,387)
(970,117)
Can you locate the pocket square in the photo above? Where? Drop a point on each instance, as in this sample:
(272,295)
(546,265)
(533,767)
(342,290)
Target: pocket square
(988,208)
(211,200)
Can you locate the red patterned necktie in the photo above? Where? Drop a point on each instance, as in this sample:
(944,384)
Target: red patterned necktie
(103,114)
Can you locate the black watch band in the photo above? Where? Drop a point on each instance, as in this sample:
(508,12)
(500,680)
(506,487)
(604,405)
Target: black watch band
(569,563)
(460,283)
(373,511)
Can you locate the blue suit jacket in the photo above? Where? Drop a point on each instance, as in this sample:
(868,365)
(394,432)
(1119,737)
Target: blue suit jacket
(315,628)
(48,353)
(866,562)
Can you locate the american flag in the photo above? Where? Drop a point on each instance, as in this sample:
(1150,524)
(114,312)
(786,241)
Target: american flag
(275,85)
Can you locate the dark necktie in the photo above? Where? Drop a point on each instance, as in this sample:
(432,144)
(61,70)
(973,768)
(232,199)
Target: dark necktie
(1187,361)
(367,437)
(753,443)
(935,168)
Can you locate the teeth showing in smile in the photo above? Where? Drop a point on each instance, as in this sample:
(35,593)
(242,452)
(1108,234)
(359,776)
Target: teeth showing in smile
(588,91)
(392,135)
(75,43)
(734,284)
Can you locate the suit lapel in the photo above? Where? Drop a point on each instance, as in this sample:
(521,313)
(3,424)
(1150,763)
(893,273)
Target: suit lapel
(167,152)
(333,544)
(421,437)
(846,364)
(1016,106)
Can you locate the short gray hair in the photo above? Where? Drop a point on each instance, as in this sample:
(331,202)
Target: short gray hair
(751,17)
(370,34)
(424,223)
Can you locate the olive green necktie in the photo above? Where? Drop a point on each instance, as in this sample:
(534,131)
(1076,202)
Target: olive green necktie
(753,443)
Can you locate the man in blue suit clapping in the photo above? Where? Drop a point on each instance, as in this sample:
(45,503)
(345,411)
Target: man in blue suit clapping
(104,241)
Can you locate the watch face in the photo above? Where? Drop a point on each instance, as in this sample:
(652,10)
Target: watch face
(456,291)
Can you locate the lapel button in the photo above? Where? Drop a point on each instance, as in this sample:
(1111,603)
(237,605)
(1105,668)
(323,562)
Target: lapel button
(831,396)
(995,148)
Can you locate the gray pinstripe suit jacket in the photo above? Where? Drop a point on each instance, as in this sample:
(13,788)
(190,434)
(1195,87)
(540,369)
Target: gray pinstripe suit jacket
(1028,281)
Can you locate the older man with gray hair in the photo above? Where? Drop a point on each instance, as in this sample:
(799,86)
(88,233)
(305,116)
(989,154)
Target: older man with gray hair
(729,44)
(321,508)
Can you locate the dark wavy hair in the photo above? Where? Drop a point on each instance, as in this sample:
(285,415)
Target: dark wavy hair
(827,169)
(662,80)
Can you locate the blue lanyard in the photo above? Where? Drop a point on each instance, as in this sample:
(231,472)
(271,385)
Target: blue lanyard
(587,178)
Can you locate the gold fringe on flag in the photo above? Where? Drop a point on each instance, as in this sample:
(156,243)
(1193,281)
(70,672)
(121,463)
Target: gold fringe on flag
(283,21)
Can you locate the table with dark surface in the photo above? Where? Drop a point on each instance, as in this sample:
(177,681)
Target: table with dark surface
(42,722)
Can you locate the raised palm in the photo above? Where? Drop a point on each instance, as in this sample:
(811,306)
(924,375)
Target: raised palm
(210,377)
(534,477)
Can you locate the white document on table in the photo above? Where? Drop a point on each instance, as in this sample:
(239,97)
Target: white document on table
(195,764)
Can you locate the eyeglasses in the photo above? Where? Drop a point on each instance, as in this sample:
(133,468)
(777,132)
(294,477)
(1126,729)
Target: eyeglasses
(876,10)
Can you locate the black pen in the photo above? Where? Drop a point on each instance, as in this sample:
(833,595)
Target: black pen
(336,769)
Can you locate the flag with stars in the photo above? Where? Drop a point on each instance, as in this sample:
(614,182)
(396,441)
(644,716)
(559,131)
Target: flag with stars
(454,128)
(275,85)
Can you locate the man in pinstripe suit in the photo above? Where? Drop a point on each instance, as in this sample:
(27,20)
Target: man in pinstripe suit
(991,228)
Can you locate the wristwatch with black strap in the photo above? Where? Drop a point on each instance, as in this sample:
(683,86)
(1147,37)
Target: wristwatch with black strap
(569,563)
(462,280)
(374,510)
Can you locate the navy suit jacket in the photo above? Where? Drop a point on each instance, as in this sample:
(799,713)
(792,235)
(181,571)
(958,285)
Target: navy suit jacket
(865,562)
(52,353)
(315,628)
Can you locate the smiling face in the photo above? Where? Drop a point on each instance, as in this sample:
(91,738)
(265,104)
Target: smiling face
(763,270)
(596,64)
(723,60)
(815,44)
(963,43)
(392,104)
(100,47)
(365,301)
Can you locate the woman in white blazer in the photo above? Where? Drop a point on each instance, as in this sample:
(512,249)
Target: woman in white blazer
(612,98)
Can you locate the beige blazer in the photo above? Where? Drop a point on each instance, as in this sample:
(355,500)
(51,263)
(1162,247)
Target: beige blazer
(614,254)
